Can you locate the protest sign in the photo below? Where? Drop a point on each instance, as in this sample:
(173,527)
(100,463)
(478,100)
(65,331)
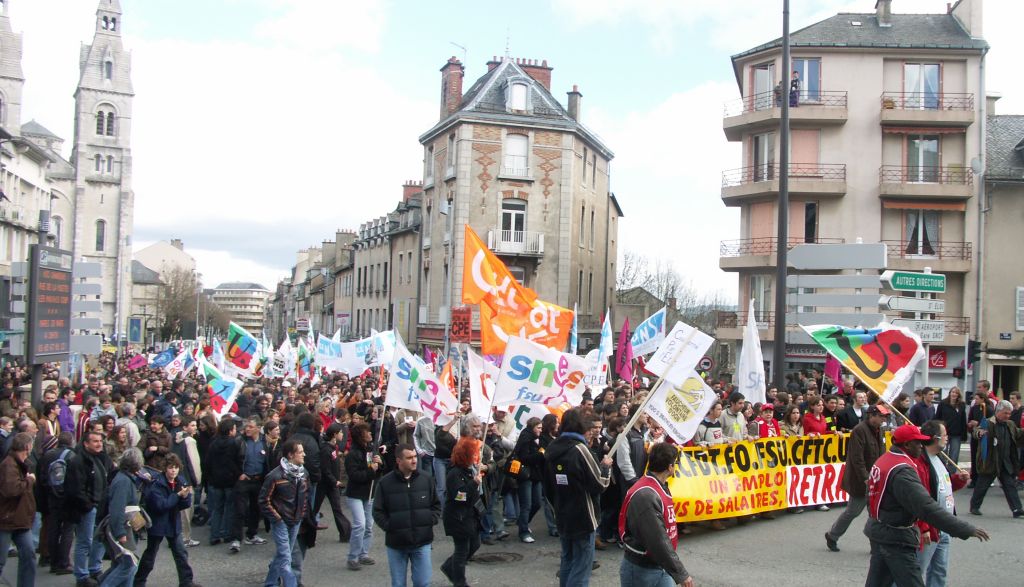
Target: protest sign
(532,373)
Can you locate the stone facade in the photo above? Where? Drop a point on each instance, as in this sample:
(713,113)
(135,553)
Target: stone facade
(246,303)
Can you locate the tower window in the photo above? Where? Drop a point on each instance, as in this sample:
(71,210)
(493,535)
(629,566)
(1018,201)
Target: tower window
(106,23)
(110,164)
(110,124)
(113,23)
(108,69)
(99,162)
(101,234)
(100,118)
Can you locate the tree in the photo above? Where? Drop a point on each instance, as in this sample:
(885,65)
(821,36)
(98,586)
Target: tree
(178,304)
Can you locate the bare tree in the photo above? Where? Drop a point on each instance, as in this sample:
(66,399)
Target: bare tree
(631,272)
(178,304)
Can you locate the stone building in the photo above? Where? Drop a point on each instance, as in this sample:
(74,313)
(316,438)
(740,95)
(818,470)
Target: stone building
(245,302)
(510,161)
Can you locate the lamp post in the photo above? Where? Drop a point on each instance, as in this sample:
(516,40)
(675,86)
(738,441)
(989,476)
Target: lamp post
(145,325)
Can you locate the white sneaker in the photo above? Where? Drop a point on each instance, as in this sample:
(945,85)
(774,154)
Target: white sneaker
(823,508)
(257,539)
(235,546)
(527,538)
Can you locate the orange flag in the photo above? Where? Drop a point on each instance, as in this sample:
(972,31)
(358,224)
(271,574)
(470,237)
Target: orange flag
(447,378)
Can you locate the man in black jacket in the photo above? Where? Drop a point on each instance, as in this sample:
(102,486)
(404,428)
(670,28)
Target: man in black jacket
(303,432)
(85,491)
(406,507)
(222,470)
(647,524)
(896,500)
(574,480)
(59,531)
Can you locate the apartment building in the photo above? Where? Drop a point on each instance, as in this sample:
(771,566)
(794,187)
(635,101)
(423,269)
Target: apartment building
(885,131)
(509,160)
(245,302)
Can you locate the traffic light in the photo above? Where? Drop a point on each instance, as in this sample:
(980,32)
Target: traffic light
(973,351)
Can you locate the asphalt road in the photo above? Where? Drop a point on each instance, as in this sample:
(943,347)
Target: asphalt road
(789,550)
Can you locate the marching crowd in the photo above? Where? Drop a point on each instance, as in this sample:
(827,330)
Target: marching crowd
(129,454)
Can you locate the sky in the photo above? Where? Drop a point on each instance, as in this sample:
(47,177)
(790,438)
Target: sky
(262,126)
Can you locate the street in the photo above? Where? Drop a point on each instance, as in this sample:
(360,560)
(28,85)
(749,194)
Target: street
(789,550)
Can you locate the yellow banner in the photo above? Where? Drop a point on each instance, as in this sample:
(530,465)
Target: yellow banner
(748,477)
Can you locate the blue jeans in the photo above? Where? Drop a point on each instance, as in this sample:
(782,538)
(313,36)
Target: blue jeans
(121,573)
(222,512)
(934,561)
(88,552)
(529,504)
(418,558)
(549,512)
(440,476)
(511,500)
(26,554)
(953,448)
(577,560)
(362,528)
(633,575)
(426,464)
(284,536)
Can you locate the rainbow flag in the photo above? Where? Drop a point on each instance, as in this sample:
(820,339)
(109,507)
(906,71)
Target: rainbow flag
(883,357)
(222,389)
(241,347)
(304,362)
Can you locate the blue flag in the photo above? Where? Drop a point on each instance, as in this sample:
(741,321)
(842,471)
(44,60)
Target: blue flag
(163,359)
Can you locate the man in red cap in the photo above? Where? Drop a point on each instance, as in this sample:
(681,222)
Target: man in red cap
(896,500)
(865,446)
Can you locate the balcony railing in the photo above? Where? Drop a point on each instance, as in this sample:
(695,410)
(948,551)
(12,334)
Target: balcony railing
(956,324)
(771,171)
(958,251)
(767,100)
(765,245)
(516,242)
(954,175)
(927,101)
(739,319)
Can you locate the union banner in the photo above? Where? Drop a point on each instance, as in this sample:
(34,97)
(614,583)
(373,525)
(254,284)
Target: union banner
(755,476)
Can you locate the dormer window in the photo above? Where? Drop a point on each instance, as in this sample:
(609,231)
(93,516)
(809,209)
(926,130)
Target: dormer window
(517,92)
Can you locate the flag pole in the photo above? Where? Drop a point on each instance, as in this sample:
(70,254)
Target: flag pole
(907,420)
(650,395)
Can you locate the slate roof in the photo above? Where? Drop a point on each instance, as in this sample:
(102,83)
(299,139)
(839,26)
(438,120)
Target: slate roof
(240,285)
(1005,148)
(485,100)
(34,128)
(142,275)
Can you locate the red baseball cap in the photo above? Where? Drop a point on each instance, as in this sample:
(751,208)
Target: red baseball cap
(908,432)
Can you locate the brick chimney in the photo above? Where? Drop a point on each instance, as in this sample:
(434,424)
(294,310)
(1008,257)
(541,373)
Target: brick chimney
(538,71)
(410,189)
(494,62)
(883,9)
(574,102)
(451,86)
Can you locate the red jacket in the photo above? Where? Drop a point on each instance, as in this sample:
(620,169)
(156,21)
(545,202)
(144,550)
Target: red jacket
(814,425)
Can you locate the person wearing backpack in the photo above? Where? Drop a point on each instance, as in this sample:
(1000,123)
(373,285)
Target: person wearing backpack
(122,503)
(51,473)
(85,494)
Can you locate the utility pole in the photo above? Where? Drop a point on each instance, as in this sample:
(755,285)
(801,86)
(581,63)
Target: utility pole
(782,246)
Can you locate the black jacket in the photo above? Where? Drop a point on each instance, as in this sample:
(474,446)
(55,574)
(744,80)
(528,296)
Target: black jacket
(163,505)
(904,502)
(331,457)
(955,419)
(527,451)
(360,475)
(848,420)
(645,532)
(573,482)
(222,465)
(406,509)
(462,505)
(310,444)
(283,497)
(85,482)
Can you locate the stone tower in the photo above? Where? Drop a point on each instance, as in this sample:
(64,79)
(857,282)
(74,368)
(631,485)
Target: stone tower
(12,80)
(104,201)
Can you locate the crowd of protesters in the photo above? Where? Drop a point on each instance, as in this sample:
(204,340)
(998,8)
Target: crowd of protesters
(128,453)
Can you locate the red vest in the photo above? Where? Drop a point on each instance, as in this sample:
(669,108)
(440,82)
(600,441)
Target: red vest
(878,478)
(668,511)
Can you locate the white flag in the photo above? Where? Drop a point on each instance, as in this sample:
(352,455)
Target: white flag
(410,386)
(750,372)
(532,373)
(675,358)
(680,408)
(176,366)
(482,376)
(597,375)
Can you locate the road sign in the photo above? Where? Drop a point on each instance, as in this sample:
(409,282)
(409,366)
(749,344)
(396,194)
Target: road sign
(905,304)
(838,256)
(833,281)
(928,330)
(462,324)
(832,300)
(705,364)
(49,305)
(907,281)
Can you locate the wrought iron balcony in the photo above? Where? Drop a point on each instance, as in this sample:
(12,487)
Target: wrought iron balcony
(765,245)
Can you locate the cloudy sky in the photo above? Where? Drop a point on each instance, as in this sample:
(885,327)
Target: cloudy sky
(262,126)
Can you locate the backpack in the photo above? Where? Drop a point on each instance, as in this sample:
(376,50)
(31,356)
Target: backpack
(57,471)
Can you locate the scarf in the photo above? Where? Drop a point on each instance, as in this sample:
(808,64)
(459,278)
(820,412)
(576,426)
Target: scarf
(297,472)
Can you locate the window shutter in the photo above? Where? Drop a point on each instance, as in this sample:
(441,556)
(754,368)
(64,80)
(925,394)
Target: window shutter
(1020,309)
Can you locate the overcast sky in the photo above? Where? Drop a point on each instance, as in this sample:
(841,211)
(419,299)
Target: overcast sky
(261,126)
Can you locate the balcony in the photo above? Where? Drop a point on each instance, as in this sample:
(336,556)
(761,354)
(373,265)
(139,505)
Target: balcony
(516,242)
(750,253)
(729,325)
(941,256)
(920,109)
(759,112)
(515,171)
(821,180)
(952,182)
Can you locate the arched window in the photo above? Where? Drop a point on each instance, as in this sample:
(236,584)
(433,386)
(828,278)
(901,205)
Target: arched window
(100,119)
(110,163)
(101,234)
(108,69)
(110,124)
(99,162)
(113,23)
(56,228)
(106,23)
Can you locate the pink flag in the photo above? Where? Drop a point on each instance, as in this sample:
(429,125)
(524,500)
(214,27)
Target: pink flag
(428,356)
(137,362)
(834,371)
(624,357)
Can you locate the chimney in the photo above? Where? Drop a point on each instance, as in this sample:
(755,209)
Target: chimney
(540,72)
(883,9)
(494,62)
(410,189)
(176,243)
(574,103)
(451,86)
(990,103)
